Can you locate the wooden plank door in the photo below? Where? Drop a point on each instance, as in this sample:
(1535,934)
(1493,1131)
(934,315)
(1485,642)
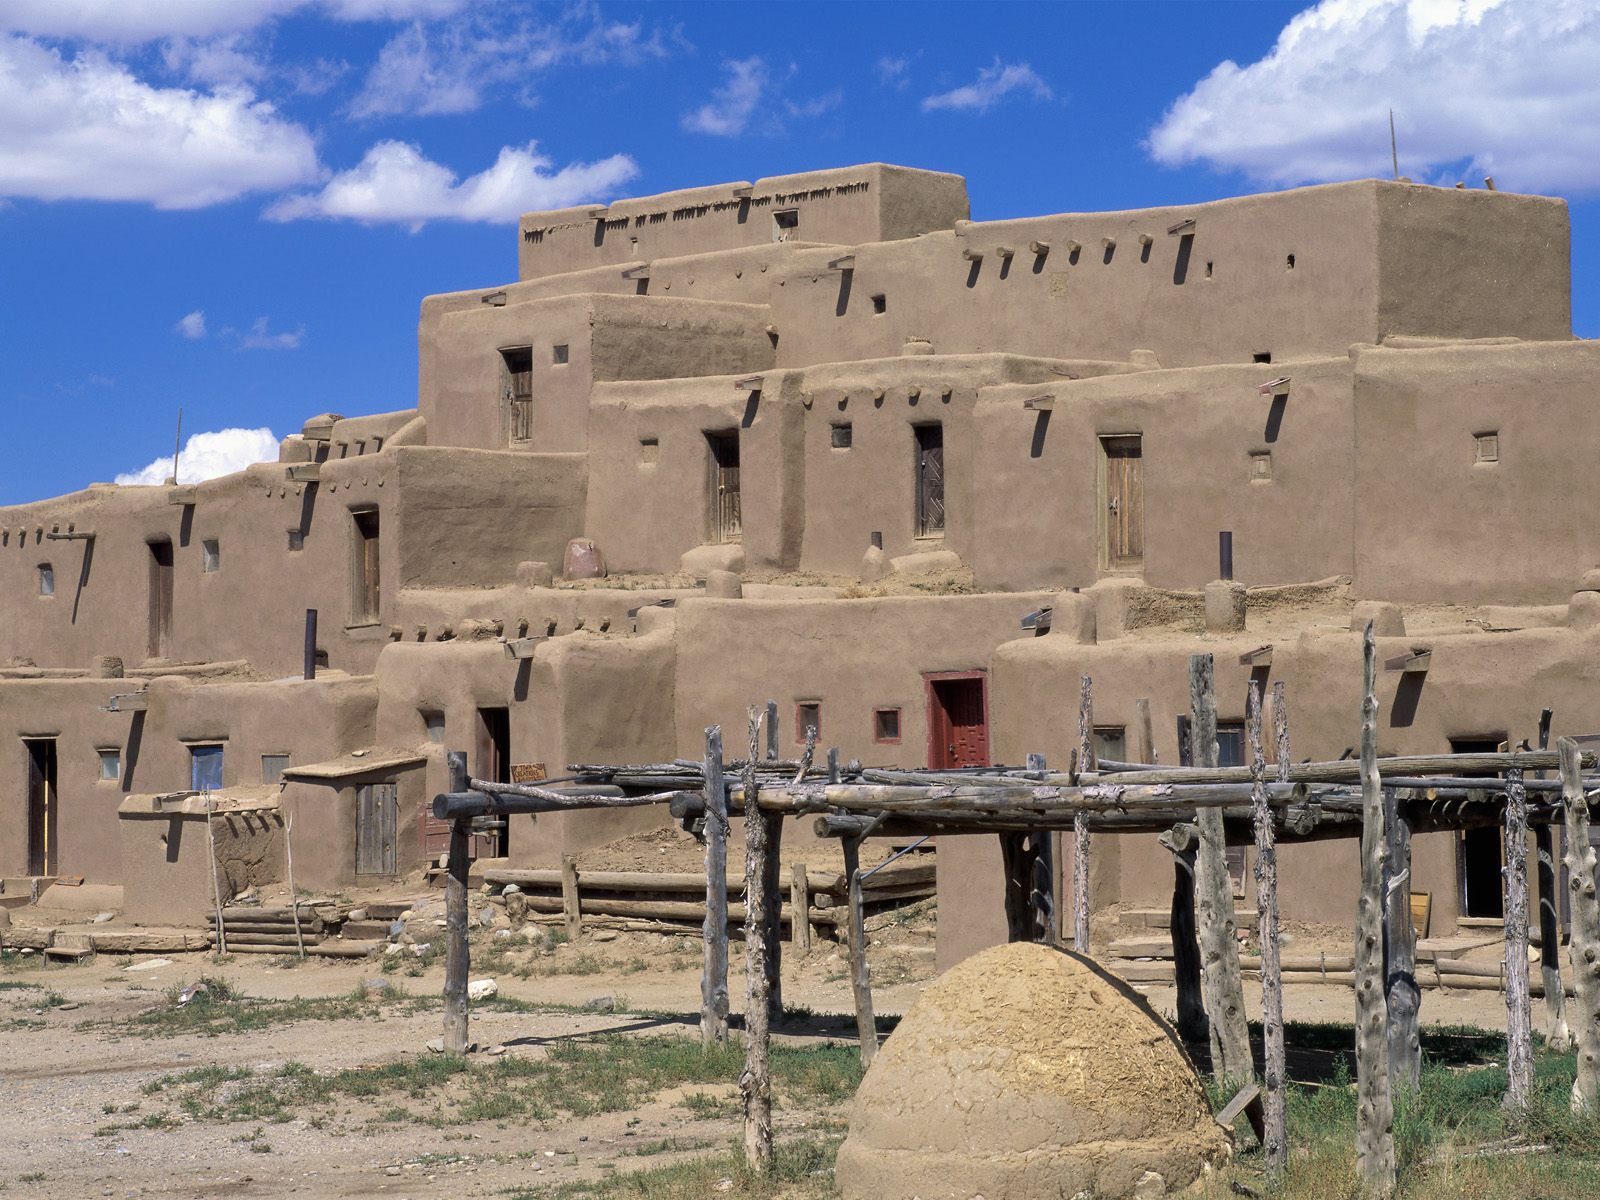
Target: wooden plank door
(958,721)
(726,518)
(43,851)
(930,480)
(1122,524)
(377,819)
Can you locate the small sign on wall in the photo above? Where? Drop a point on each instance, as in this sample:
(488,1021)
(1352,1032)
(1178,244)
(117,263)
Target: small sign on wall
(528,773)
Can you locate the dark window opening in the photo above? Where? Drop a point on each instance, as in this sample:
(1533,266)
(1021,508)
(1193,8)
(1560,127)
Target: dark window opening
(47,580)
(160,613)
(210,555)
(1288,263)
(1208,269)
(1261,356)
(726,516)
(517,390)
(494,766)
(364,597)
(558,354)
(930,480)
(786,225)
(1480,853)
(205,768)
(297,540)
(886,725)
(807,715)
(43,844)
(880,304)
(649,451)
(842,436)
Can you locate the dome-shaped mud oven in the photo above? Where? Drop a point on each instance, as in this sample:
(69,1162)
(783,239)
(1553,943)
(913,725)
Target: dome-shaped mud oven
(1027,1073)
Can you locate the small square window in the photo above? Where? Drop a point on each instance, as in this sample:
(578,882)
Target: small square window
(785,224)
(210,555)
(1260,466)
(1261,356)
(110,764)
(1110,742)
(1487,446)
(843,437)
(807,715)
(47,580)
(297,540)
(880,304)
(205,768)
(886,725)
(649,451)
(273,766)
(433,723)
(558,354)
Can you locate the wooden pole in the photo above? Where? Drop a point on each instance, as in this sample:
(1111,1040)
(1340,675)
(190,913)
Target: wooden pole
(1275,1143)
(211,849)
(756,1081)
(1584,930)
(1519,1018)
(570,903)
(1080,825)
(714,974)
(772,732)
(1042,876)
(1555,996)
(1145,741)
(1231,1062)
(860,981)
(1374,1105)
(800,909)
(1402,995)
(294,896)
(457,961)
(1193,1025)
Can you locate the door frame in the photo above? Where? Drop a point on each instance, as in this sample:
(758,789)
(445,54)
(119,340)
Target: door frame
(717,532)
(45,832)
(1103,501)
(931,698)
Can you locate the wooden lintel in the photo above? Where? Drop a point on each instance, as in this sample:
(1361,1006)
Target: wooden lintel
(1039,619)
(303,472)
(71,535)
(971,255)
(188,494)
(1415,663)
(129,702)
(1005,251)
(318,433)
(1261,656)
(845,262)
(1044,403)
(522,647)
(639,272)
(750,383)
(1181,228)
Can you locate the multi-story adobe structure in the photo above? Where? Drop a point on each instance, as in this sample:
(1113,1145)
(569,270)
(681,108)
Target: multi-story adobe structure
(1372,386)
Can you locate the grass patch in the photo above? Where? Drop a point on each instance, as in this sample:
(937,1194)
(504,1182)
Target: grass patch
(802,1170)
(222,1009)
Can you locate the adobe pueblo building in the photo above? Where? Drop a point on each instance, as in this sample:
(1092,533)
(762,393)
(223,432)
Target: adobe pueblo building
(823,438)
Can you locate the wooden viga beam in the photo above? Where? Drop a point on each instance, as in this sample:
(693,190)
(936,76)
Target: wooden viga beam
(1348,770)
(451,805)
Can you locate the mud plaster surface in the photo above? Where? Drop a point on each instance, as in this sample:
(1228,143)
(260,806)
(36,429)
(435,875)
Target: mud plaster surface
(1022,1074)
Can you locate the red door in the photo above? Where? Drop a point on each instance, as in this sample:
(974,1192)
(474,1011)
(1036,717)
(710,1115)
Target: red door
(958,720)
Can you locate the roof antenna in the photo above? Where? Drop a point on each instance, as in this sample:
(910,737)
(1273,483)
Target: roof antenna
(1394,149)
(176,446)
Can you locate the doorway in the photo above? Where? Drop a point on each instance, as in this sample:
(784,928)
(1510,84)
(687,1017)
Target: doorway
(377,829)
(159,642)
(1480,853)
(726,518)
(493,760)
(1122,513)
(930,480)
(43,844)
(958,720)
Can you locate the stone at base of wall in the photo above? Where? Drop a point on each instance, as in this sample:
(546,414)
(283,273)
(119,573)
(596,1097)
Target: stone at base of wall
(702,560)
(583,560)
(1387,619)
(1225,606)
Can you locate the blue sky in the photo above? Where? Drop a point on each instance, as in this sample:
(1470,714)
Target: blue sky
(236,205)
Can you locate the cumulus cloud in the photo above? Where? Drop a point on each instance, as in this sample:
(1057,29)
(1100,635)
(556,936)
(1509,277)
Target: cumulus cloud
(193,325)
(1484,87)
(396,183)
(218,62)
(731,106)
(87,129)
(136,21)
(208,455)
(447,68)
(894,72)
(994,84)
(260,336)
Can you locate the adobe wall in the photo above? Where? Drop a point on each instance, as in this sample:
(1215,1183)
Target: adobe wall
(324,830)
(866,203)
(1436,523)
(167,859)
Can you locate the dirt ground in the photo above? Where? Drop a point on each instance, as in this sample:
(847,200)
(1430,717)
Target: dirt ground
(91,1108)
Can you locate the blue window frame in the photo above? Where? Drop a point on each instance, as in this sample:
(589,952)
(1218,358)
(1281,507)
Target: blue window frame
(205,768)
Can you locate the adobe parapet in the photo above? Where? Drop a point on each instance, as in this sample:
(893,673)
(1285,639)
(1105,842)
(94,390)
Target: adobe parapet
(873,202)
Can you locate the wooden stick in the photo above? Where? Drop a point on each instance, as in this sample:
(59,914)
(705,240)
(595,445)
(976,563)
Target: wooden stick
(1275,1141)
(216,885)
(1519,1018)
(800,909)
(756,1081)
(772,733)
(1374,1106)
(1145,745)
(1193,1025)
(294,900)
(569,896)
(457,960)
(1347,771)
(1584,932)
(1555,998)
(1080,827)
(1042,876)
(714,933)
(1231,1062)
(860,980)
(1401,993)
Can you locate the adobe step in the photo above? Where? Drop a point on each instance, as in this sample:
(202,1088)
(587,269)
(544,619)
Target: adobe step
(365,930)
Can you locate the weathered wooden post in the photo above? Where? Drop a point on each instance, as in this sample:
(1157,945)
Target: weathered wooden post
(1374,1105)
(714,975)
(457,963)
(1585,931)
(571,902)
(1219,947)
(1144,732)
(1080,823)
(1555,995)
(1402,994)
(1519,1017)
(1275,1143)
(860,980)
(800,909)
(756,1081)
(772,731)
(1042,876)
(1193,1025)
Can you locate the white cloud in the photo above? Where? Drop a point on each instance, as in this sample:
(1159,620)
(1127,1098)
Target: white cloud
(732,105)
(448,68)
(192,326)
(894,72)
(87,129)
(218,62)
(136,21)
(208,455)
(1508,88)
(994,84)
(260,337)
(394,182)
